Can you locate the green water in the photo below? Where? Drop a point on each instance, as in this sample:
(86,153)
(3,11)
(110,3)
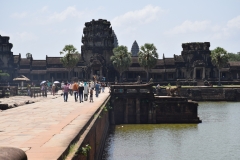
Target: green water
(216,138)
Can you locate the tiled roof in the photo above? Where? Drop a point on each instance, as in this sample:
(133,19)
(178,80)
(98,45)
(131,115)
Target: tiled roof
(171,70)
(224,69)
(25,61)
(54,60)
(24,71)
(39,63)
(57,70)
(135,69)
(157,70)
(169,61)
(235,63)
(160,62)
(38,72)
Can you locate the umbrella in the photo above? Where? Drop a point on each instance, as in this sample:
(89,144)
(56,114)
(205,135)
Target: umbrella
(42,82)
(56,82)
(21,78)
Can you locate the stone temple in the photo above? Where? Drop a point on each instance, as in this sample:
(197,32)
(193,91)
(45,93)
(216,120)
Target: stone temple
(98,41)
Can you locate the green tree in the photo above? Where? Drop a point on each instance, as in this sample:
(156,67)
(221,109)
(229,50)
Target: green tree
(2,74)
(147,57)
(219,58)
(70,58)
(234,57)
(121,59)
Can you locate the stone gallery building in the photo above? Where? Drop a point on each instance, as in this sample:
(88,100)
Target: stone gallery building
(98,42)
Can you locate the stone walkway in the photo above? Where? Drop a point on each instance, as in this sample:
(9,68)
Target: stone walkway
(45,129)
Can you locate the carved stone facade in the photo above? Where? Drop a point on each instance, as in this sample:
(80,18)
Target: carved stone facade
(193,64)
(97,48)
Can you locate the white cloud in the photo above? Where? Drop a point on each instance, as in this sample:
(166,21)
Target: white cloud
(146,15)
(68,12)
(25,36)
(19,15)
(189,26)
(234,23)
(44,9)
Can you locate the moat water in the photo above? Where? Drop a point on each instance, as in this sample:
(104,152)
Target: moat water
(217,137)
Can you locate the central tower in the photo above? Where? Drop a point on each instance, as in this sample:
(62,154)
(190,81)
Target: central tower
(97,48)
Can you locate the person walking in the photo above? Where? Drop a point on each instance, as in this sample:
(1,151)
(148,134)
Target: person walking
(80,90)
(29,89)
(97,87)
(45,90)
(86,90)
(91,95)
(65,92)
(42,89)
(70,89)
(53,89)
(75,90)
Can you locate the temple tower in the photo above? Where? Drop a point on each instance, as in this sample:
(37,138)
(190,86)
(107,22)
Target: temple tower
(97,48)
(6,56)
(115,43)
(135,49)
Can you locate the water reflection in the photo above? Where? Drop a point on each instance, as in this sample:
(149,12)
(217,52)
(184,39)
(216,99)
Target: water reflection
(217,137)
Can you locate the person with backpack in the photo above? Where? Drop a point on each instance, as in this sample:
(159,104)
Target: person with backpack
(80,91)
(75,90)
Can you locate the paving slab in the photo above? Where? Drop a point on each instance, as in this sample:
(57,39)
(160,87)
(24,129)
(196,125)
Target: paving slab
(45,129)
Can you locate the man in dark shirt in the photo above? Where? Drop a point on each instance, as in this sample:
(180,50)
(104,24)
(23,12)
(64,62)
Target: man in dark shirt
(80,90)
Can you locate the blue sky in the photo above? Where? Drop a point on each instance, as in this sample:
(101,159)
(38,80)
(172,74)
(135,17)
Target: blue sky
(45,27)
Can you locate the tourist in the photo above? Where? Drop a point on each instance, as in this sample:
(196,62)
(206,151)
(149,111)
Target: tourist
(65,92)
(75,91)
(91,95)
(53,89)
(97,87)
(29,89)
(80,91)
(45,90)
(86,90)
(70,89)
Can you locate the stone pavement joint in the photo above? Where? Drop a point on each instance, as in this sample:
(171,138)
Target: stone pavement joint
(45,130)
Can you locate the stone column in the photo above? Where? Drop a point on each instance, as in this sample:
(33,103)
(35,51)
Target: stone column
(91,74)
(126,112)
(194,73)
(138,111)
(100,72)
(203,74)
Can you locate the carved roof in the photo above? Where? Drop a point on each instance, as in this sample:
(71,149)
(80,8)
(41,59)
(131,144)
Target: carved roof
(135,69)
(38,72)
(178,58)
(157,71)
(160,62)
(56,69)
(115,43)
(234,63)
(39,63)
(169,61)
(170,70)
(53,60)
(25,61)
(134,59)
(135,49)
(24,71)
(15,59)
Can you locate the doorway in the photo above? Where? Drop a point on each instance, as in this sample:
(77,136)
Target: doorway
(198,74)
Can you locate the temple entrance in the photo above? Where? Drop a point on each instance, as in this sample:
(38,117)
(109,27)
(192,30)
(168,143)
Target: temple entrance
(198,74)
(96,72)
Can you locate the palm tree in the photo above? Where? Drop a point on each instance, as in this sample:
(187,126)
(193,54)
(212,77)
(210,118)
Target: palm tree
(147,57)
(71,57)
(121,59)
(28,55)
(219,59)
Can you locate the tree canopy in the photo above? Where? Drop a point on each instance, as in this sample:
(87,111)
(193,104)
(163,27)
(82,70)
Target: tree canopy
(147,57)
(219,58)
(121,59)
(70,58)
(234,57)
